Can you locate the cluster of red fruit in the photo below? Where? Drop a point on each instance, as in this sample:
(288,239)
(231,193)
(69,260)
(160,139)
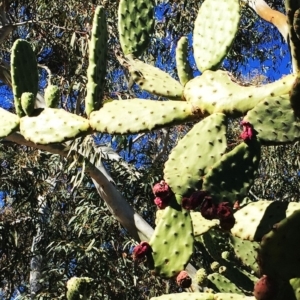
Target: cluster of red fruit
(200,199)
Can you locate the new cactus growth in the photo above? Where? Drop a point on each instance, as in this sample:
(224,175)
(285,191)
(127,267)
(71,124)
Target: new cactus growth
(24,73)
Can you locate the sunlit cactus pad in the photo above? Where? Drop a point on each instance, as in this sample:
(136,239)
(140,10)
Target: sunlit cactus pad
(155,81)
(53,126)
(253,221)
(8,122)
(215,92)
(96,71)
(138,115)
(194,154)
(215,28)
(172,242)
(186,296)
(184,70)
(275,121)
(200,224)
(135,24)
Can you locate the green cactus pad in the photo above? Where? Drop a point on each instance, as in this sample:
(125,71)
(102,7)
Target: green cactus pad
(53,126)
(172,242)
(97,62)
(186,296)
(52,96)
(24,72)
(8,123)
(216,92)
(254,220)
(135,24)
(275,121)
(230,296)
(79,288)
(184,70)
(193,156)
(230,178)
(280,248)
(201,224)
(27,103)
(295,284)
(154,80)
(215,28)
(215,243)
(138,115)
(246,252)
(220,283)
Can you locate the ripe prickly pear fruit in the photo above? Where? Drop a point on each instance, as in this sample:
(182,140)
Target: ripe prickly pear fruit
(265,288)
(163,194)
(161,203)
(161,189)
(184,280)
(248,132)
(208,209)
(192,202)
(140,251)
(225,215)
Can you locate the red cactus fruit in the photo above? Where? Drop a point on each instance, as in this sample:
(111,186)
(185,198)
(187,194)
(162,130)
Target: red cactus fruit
(265,288)
(194,200)
(228,223)
(225,215)
(208,209)
(141,250)
(161,203)
(184,280)
(162,190)
(248,132)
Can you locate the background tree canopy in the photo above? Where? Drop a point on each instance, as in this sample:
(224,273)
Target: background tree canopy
(80,236)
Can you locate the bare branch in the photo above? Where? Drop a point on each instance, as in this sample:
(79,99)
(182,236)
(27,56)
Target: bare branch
(270,15)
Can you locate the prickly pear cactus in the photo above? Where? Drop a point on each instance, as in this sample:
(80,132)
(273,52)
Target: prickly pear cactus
(24,72)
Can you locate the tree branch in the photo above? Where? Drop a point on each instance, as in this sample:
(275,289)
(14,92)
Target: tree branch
(136,226)
(270,15)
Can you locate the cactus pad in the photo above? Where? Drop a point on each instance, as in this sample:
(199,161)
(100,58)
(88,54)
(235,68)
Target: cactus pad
(8,123)
(184,70)
(274,121)
(154,80)
(201,224)
(194,154)
(97,62)
(136,24)
(246,252)
(220,283)
(27,103)
(52,96)
(24,72)
(253,221)
(280,248)
(53,126)
(137,115)
(215,28)
(185,296)
(172,242)
(216,92)
(231,177)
